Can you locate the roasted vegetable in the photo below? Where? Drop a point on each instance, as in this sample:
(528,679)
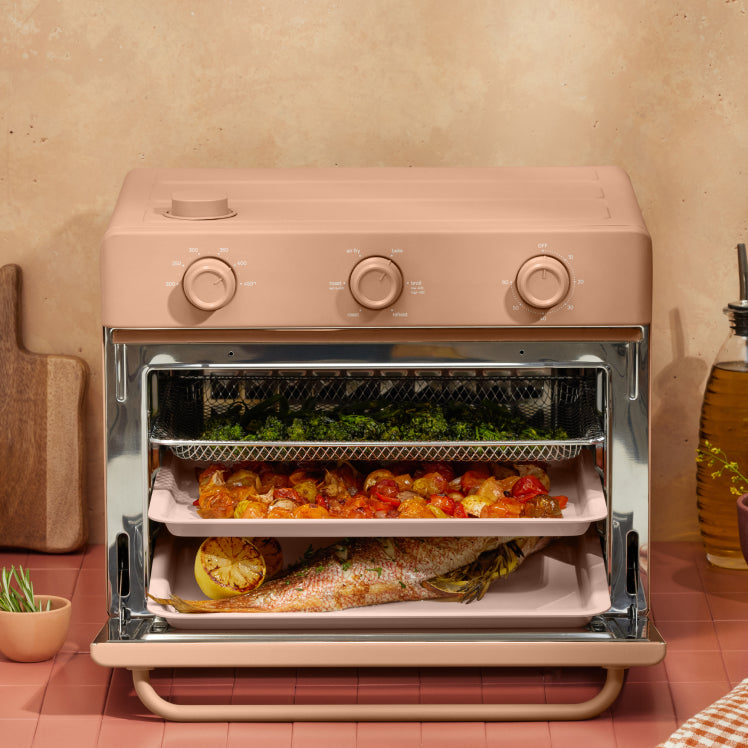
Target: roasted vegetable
(413,490)
(275,420)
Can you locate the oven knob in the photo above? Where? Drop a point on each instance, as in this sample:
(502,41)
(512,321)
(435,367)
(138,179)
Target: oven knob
(209,284)
(375,282)
(199,205)
(543,281)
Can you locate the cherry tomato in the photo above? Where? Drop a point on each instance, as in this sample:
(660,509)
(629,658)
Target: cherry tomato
(287,493)
(445,503)
(460,511)
(310,511)
(218,504)
(386,487)
(443,468)
(472,479)
(386,499)
(430,483)
(357,507)
(404,482)
(375,476)
(527,487)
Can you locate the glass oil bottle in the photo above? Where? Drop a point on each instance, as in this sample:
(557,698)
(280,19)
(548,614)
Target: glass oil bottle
(724,428)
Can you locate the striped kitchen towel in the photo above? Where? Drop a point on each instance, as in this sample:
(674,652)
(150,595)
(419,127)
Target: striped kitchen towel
(724,724)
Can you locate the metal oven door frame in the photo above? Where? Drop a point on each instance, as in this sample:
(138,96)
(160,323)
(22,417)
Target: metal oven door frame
(620,355)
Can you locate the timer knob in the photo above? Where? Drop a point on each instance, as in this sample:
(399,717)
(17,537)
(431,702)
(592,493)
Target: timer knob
(543,281)
(375,282)
(209,284)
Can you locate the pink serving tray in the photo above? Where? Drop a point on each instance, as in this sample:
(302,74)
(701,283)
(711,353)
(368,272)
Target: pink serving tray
(175,491)
(563,585)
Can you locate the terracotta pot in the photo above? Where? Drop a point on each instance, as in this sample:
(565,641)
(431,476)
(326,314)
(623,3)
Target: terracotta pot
(33,637)
(743,524)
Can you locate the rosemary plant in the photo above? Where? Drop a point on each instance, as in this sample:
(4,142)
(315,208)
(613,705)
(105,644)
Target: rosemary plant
(18,599)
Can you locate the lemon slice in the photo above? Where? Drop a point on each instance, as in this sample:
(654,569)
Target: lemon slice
(271,554)
(226,567)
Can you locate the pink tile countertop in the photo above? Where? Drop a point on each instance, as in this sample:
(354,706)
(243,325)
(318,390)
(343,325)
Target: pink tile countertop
(701,611)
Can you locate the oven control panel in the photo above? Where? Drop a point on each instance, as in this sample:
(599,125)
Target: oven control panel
(272,281)
(379,248)
(542,282)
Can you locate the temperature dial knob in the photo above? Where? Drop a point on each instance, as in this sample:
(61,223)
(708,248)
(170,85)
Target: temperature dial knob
(209,284)
(543,282)
(376,282)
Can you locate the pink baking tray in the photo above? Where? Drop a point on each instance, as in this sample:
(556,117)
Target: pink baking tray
(563,585)
(175,491)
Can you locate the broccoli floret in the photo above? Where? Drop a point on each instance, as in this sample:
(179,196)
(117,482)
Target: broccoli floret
(273,430)
(488,432)
(462,431)
(297,431)
(360,428)
(532,434)
(318,428)
(392,434)
(223,432)
(338,432)
(426,424)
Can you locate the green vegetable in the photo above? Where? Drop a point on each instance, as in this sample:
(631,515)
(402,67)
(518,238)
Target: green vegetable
(297,431)
(360,427)
(220,431)
(274,420)
(425,423)
(273,430)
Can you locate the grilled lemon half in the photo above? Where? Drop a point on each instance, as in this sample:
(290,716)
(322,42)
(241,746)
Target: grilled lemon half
(226,567)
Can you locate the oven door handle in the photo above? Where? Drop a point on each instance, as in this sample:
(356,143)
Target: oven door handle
(378,712)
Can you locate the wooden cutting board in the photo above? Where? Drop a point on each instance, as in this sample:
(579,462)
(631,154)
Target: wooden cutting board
(42,455)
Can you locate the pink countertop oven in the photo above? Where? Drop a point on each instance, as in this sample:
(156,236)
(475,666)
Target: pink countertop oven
(343,337)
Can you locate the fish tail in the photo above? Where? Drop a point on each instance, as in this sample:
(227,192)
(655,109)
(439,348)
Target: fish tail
(185,606)
(471,582)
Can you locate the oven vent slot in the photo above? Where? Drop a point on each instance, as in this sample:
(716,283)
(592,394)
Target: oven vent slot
(548,417)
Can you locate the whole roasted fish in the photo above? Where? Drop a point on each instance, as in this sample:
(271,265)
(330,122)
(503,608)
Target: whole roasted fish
(369,571)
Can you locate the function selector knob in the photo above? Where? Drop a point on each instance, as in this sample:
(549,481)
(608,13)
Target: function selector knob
(543,281)
(376,282)
(209,284)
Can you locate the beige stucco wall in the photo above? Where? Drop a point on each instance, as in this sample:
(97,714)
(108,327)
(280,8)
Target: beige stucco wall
(93,89)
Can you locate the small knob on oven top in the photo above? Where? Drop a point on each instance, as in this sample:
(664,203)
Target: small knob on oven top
(199,205)
(376,282)
(209,284)
(543,281)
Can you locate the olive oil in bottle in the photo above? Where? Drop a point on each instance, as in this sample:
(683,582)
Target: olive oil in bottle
(724,426)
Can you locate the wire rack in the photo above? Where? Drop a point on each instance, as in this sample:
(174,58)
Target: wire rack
(187,401)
